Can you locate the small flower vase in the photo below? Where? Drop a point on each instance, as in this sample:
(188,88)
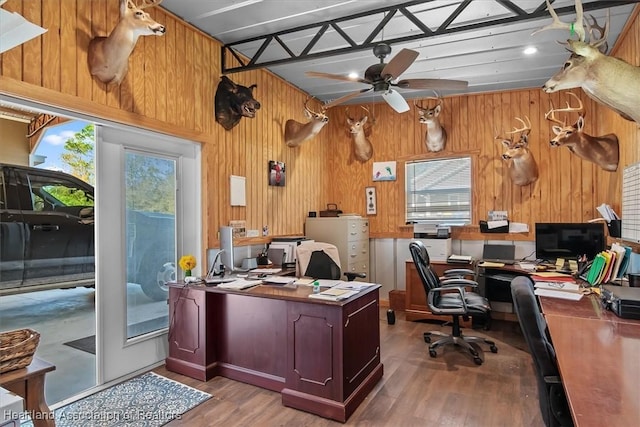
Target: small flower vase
(187,273)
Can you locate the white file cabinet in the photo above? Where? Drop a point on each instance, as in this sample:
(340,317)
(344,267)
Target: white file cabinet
(349,234)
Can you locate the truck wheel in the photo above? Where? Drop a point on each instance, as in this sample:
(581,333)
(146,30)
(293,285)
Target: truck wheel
(157,275)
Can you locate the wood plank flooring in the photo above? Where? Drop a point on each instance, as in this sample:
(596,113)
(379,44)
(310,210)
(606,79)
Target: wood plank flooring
(416,390)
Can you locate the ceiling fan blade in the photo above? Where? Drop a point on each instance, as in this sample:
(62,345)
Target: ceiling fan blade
(431,84)
(345,98)
(396,101)
(399,64)
(336,77)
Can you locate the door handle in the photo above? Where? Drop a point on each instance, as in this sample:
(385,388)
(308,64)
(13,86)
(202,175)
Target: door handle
(46,227)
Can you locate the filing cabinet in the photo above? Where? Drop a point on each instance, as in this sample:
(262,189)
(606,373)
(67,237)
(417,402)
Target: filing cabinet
(350,234)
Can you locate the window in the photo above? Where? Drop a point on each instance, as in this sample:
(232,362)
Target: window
(439,191)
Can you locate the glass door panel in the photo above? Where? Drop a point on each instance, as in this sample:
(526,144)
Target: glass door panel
(150,213)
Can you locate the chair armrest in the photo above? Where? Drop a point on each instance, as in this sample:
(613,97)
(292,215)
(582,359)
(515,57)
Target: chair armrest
(459,282)
(352,276)
(552,379)
(458,272)
(458,310)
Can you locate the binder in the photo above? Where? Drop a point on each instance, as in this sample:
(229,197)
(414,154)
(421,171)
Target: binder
(596,269)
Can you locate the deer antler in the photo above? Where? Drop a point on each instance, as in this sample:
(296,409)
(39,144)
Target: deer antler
(309,110)
(550,115)
(576,27)
(603,30)
(149,3)
(526,127)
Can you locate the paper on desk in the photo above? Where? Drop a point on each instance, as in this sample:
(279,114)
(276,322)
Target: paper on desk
(491,264)
(607,213)
(280,280)
(529,266)
(558,286)
(240,284)
(327,295)
(266,270)
(574,296)
(355,286)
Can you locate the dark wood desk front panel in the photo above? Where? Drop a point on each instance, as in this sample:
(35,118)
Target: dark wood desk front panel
(599,362)
(324,357)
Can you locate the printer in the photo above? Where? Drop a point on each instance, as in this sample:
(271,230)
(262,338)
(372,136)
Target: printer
(431,231)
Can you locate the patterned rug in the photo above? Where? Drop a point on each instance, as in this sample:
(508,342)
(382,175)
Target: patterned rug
(149,400)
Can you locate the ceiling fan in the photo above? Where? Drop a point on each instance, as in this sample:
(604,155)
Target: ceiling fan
(380,76)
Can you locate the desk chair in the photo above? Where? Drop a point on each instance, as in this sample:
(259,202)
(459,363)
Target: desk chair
(553,402)
(450,297)
(321,261)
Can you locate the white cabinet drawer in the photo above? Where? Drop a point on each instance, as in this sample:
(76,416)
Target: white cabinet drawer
(357,230)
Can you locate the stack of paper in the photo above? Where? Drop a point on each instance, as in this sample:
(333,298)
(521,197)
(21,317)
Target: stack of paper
(333,294)
(240,284)
(609,265)
(558,294)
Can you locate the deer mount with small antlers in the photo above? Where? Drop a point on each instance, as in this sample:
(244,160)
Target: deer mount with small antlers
(108,57)
(604,150)
(295,133)
(608,80)
(523,169)
(362,147)
(435,137)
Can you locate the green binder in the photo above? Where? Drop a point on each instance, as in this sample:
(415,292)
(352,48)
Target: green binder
(596,269)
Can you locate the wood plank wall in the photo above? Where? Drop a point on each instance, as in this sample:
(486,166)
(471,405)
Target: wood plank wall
(568,189)
(170,88)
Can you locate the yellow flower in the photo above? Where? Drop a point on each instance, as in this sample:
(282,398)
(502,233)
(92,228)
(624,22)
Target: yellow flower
(187,262)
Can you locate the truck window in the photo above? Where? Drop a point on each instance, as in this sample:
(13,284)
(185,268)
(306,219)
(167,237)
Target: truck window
(49,193)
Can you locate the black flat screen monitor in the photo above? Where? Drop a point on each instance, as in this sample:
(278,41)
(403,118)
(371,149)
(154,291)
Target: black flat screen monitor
(569,240)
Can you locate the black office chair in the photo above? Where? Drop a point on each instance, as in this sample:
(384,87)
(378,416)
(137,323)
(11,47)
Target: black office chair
(451,297)
(553,402)
(321,261)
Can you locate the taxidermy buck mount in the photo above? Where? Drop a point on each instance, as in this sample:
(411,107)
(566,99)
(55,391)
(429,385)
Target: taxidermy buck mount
(523,169)
(233,102)
(108,57)
(608,80)
(435,137)
(295,133)
(362,147)
(381,75)
(604,150)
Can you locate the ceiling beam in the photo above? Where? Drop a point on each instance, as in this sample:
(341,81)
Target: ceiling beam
(251,63)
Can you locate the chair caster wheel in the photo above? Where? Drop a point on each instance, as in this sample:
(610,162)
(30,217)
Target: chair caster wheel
(493,349)
(432,353)
(477,360)
(427,339)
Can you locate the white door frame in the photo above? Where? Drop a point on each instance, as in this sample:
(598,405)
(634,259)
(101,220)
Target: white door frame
(117,355)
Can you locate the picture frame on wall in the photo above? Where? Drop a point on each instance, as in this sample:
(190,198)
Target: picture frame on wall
(370,197)
(384,171)
(277,173)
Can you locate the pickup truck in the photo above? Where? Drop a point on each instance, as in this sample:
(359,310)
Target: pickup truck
(47,238)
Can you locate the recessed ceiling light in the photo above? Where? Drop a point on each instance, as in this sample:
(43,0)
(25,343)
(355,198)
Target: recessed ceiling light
(530,50)
(353,75)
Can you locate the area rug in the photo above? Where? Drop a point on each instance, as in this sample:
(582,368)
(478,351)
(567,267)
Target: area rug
(149,400)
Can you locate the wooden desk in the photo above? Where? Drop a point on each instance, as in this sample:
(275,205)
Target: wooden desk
(599,364)
(28,383)
(589,307)
(322,356)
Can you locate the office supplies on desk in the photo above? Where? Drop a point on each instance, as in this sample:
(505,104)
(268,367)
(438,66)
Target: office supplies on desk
(212,281)
(558,286)
(460,259)
(490,264)
(239,284)
(334,294)
(623,301)
(558,294)
(266,270)
(279,280)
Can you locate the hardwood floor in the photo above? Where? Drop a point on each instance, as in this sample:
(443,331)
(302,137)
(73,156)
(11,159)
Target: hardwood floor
(416,390)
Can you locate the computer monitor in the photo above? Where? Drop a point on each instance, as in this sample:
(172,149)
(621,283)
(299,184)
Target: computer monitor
(226,246)
(569,240)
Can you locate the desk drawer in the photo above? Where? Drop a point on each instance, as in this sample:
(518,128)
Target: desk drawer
(357,230)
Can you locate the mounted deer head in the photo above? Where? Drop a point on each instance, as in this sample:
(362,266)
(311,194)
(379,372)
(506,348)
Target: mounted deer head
(362,147)
(295,133)
(436,137)
(108,57)
(608,80)
(602,150)
(523,169)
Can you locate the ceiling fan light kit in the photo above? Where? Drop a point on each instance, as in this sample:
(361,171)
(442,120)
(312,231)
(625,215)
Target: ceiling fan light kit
(381,77)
